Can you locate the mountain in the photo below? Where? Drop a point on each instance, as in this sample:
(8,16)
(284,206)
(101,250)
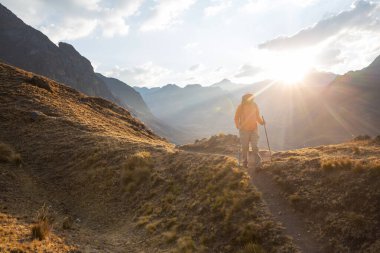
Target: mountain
(200,111)
(126,95)
(324,108)
(319,78)
(85,173)
(227,85)
(29,49)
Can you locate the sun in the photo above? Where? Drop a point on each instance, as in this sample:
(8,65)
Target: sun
(292,74)
(291,68)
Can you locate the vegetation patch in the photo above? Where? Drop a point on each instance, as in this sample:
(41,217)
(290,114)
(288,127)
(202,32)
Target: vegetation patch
(7,154)
(339,190)
(137,170)
(44,224)
(205,203)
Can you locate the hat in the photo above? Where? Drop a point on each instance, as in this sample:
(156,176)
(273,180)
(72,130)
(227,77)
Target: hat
(248,96)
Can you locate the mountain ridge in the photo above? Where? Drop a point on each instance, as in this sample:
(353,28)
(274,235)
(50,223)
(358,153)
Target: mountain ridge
(23,46)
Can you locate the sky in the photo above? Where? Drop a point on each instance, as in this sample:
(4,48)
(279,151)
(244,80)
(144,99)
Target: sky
(156,42)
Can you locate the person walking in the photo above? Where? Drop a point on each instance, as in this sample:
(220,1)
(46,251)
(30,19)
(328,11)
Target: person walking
(246,118)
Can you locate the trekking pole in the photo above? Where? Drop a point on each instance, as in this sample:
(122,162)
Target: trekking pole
(266,134)
(239,153)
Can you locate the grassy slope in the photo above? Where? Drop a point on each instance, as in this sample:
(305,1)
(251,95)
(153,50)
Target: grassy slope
(338,188)
(76,149)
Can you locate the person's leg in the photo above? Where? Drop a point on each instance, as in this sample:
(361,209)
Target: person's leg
(244,140)
(254,139)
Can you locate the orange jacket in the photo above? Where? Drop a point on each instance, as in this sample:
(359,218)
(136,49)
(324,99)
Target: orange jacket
(247,116)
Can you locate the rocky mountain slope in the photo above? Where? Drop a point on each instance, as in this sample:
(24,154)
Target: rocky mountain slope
(111,185)
(29,49)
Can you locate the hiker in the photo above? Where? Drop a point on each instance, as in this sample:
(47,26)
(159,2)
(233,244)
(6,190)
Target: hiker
(246,118)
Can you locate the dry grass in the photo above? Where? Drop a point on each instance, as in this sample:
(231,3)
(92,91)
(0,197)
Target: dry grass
(252,248)
(338,188)
(207,199)
(7,154)
(44,224)
(15,237)
(137,170)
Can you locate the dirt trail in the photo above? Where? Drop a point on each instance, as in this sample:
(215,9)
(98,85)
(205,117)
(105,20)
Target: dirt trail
(281,210)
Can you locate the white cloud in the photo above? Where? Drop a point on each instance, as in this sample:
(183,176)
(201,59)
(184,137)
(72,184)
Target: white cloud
(147,74)
(356,50)
(363,15)
(69,29)
(73,19)
(217,7)
(166,14)
(254,6)
(195,67)
(247,70)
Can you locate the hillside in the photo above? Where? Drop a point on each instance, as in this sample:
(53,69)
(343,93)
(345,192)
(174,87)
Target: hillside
(333,189)
(27,48)
(337,188)
(130,99)
(111,185)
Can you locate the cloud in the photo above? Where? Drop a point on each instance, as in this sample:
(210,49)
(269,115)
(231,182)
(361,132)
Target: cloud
(195,67)
(166,13)
(247,70)
(69,29)
(73,19)
(330,57)
(216,8)
(256,6)
(361,16)
(147,74)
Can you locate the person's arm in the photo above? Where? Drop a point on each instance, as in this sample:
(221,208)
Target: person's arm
(258,117)
(237,117)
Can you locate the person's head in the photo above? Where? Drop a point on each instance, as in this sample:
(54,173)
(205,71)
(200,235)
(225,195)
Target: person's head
(247,98)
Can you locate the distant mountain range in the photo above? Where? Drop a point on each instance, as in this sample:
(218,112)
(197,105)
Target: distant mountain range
(323,108)
(25,47)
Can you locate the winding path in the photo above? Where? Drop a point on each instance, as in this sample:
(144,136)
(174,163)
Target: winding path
(282,212)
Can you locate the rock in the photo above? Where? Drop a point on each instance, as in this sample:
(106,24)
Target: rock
(40,82)
(35,115)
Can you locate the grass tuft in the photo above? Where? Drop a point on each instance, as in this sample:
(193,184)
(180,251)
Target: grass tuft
(44,224)
(137,170)
(337,164)
(252,248)
(7,154)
